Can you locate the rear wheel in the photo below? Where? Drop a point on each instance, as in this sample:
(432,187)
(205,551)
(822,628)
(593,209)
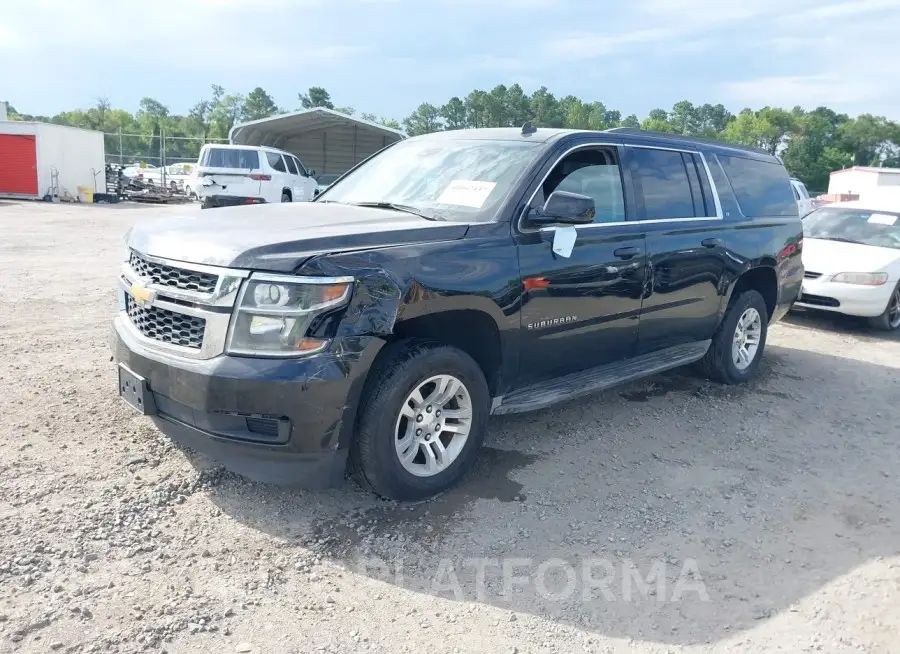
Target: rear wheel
(737,347)
(285,197)
(421,423)
(889,321)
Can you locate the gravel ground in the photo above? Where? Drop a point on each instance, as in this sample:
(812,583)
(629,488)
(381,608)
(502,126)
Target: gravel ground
(671,515)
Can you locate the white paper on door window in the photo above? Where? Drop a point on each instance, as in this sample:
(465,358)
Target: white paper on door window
(882,219)
(466,193)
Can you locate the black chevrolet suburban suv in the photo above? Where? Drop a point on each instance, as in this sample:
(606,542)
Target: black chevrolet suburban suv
(447,278)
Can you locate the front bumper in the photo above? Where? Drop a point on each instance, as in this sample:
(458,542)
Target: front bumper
(850,299)
(286,422)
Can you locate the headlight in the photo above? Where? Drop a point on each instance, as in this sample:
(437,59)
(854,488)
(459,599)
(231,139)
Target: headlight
(861,279)
(274,313)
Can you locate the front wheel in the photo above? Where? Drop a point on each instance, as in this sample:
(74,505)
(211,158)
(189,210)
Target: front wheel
(737,347)
(422,420)
(889,321)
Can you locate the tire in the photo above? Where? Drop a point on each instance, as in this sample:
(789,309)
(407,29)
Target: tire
(286,197)
(889,321)
(375,459)
(719,362)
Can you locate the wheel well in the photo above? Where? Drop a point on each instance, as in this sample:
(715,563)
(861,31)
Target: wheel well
(287,191)
(764,281)
(473,332)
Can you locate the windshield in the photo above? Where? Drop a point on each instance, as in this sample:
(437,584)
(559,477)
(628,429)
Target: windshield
(863,226)
(448,178)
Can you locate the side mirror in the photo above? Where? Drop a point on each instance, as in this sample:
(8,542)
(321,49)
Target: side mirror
(311,173)
(565,208)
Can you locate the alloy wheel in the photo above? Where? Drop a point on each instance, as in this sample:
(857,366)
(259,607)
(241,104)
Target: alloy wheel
(747,336)
(433,425)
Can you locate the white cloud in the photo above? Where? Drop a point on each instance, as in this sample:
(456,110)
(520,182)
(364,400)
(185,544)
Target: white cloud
(845,9)
(588,46)
(846,62)
(165,33)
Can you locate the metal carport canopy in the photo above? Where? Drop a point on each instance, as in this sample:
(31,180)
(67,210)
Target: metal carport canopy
(323,139)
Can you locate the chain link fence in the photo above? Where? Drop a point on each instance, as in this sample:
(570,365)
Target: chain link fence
(159,150)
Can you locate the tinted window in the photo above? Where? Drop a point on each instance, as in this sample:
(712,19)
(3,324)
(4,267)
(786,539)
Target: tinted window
(292,168)
(594,173)
(276,162)
(796,194)
(231,158)
(694,181)
(723,187)
(661,177)
(762,188)
(300,168)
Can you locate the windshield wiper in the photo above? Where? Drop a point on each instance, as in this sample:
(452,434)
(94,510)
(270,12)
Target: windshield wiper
(396,207)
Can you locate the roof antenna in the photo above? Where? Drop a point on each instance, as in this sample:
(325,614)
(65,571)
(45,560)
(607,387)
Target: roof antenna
(528,128)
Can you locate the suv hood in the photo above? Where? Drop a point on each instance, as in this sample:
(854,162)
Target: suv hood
(280,237)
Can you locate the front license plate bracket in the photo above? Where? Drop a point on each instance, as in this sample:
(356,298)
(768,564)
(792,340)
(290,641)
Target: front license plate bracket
(136,392)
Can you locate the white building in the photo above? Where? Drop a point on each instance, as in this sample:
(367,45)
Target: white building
(30,154)
(866,182)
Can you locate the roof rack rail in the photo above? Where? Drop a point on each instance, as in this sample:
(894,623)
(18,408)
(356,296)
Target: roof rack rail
(687,139)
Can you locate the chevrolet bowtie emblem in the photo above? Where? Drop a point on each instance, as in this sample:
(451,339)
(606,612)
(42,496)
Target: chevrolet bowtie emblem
(143,296)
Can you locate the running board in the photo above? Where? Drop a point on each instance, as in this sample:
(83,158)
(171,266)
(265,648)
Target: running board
(587,382)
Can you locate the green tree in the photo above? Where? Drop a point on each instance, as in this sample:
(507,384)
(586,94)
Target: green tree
(546,110)
(454,113)
(868,139)
(259,104)
(227,111)
(657,121)
(316,96)
(425,119)
(683,118)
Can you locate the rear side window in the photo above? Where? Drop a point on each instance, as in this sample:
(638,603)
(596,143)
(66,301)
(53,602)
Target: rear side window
(762,188)
(276,162)
(231,158)
(662,180)
(292,168)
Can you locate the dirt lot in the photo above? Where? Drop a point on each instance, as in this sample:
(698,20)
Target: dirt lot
(757,519)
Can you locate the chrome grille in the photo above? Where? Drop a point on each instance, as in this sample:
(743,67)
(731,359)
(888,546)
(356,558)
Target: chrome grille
(811,275)
(165,275)
(166,326)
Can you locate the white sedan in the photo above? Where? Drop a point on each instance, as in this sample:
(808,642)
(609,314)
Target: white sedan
(851,256)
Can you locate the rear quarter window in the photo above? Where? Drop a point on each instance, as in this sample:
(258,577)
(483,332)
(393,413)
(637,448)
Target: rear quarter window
(761,188)
(276,162)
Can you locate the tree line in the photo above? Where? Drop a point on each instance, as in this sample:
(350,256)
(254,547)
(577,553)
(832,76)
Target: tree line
(812,143)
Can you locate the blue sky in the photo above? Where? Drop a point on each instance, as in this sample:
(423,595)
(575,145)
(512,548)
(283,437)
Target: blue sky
(386,56)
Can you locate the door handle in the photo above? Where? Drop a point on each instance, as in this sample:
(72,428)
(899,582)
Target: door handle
(627,252)
(711,242)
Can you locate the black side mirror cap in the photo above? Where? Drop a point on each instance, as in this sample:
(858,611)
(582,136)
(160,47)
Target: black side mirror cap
(565,208)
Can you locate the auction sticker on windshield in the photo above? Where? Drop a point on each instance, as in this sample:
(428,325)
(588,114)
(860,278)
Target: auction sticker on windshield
(882,219)
(467,193)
